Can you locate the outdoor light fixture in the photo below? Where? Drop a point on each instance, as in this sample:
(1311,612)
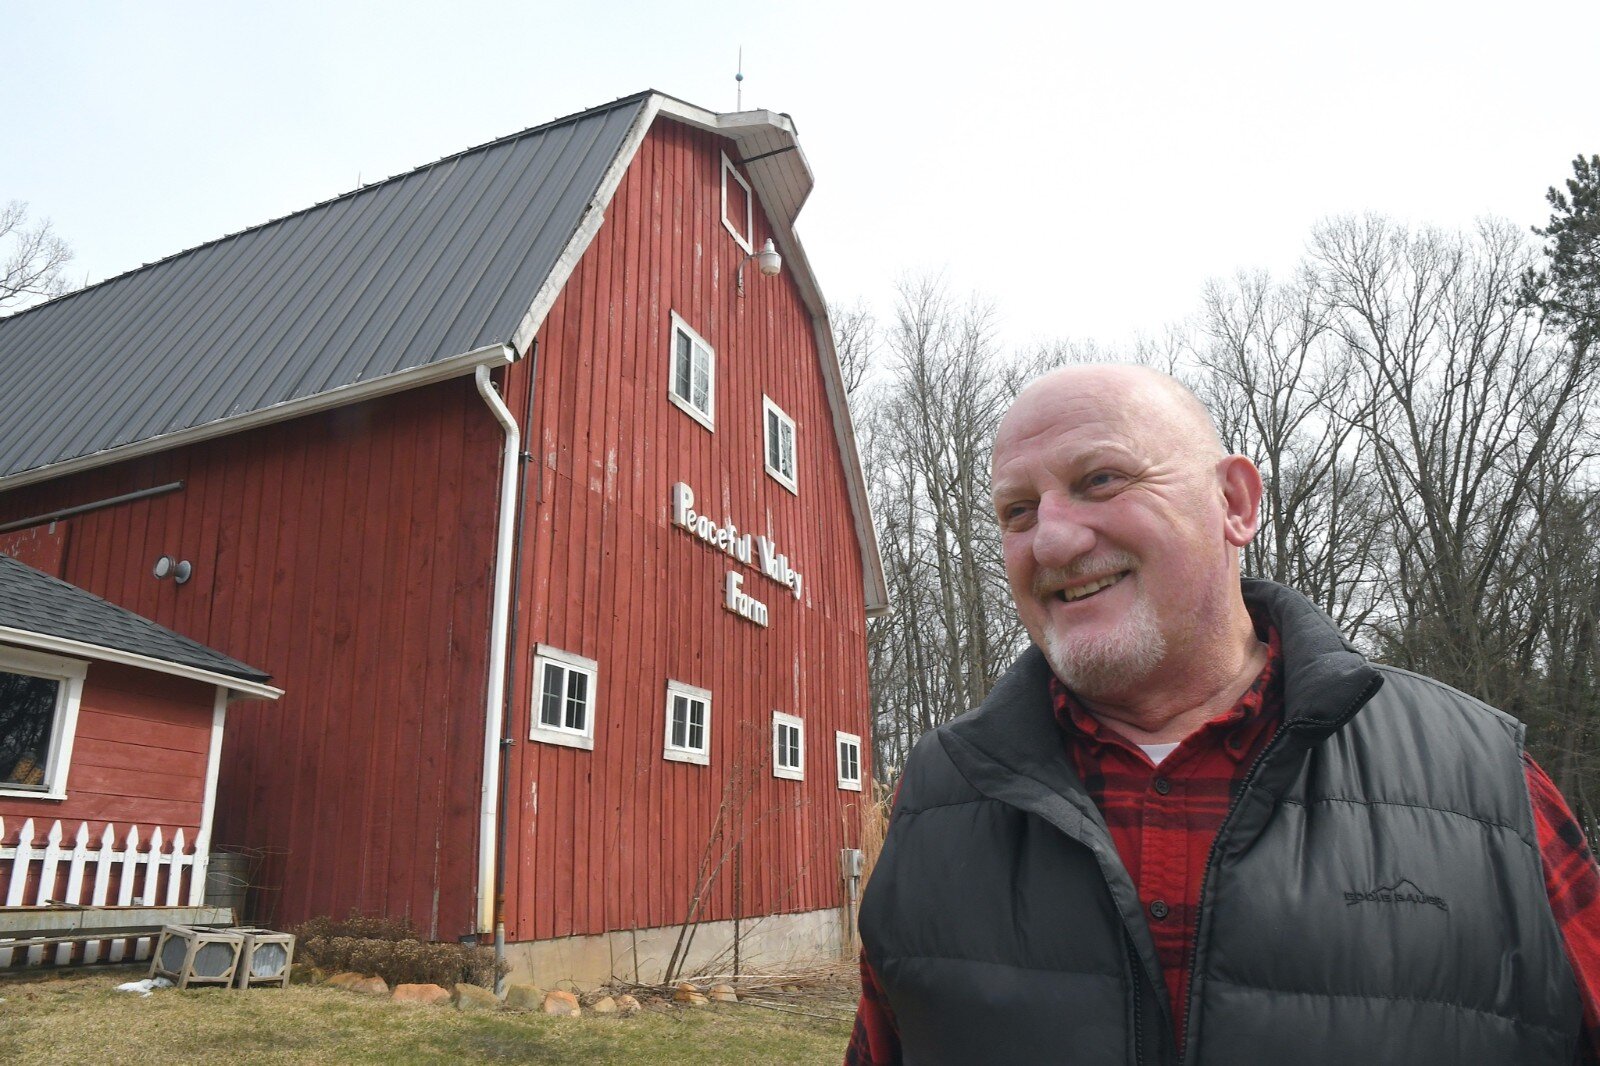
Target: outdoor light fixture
(768,261)
(167,566)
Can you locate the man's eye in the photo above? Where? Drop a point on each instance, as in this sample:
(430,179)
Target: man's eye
(1102,479)
(1012,513)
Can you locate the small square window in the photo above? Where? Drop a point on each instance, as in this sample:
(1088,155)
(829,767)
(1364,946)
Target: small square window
(39,698)
(563,698)
(694,379)
(780,446)
(738,205)
(788,746)
(849,749)
(688,724)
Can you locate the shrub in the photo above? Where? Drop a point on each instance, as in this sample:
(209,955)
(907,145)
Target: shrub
(366,927)
(390,948)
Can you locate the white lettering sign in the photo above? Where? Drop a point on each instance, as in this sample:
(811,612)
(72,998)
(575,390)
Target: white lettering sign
(743,604)
(726,538)
(776,566)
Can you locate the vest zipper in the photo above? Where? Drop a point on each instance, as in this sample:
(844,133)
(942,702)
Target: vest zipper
(1216,842)
(1135,969)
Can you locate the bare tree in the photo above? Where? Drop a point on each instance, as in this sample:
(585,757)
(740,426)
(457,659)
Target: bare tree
(1470,400)
(1273,374)
(31,259)
(856,340)
(926,432)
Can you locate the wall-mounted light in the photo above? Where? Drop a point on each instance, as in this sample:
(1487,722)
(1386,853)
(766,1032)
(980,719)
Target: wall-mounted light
(768,261)
(179,570)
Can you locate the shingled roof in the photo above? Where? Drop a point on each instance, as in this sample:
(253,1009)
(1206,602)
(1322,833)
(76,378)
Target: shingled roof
(435,263)
(34,604)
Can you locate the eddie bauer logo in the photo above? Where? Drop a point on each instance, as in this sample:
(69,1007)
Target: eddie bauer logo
(1402,892)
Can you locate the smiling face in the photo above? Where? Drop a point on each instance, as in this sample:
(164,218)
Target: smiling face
(1121,519)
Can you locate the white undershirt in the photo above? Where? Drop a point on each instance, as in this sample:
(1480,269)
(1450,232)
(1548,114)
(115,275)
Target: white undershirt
(1157,752)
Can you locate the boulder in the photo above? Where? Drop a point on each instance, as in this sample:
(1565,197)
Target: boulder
(723,994)
(303,973)
(371,986)
(604,1005)
(627,1005)
(562,1004)
(345,979)
(524,997)
(471,997)
(428,995)
(687,993)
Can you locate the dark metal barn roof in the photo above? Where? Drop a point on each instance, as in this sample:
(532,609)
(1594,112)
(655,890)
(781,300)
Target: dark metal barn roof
(407,272)
(35,602)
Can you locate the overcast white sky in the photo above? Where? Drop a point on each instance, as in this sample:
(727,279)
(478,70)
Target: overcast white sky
(1085,165)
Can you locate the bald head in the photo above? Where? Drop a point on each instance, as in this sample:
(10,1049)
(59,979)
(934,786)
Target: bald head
(1163,404)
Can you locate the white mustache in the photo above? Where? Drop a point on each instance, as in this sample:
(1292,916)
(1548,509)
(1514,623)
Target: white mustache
(1053,579)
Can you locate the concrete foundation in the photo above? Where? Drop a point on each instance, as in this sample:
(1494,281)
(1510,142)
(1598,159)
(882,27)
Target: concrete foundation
(772,943)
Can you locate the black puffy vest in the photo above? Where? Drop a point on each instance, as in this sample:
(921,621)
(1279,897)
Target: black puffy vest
(1374,896)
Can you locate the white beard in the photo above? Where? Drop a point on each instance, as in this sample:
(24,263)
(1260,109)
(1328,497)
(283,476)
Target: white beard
(1108,664)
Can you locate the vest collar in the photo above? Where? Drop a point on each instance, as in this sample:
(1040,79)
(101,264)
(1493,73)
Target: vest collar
(1326,681)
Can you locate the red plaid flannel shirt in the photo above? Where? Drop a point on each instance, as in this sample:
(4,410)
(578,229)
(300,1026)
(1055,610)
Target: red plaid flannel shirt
(1163,820)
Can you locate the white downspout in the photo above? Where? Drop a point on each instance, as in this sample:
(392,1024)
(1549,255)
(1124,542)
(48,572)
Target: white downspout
(499,624)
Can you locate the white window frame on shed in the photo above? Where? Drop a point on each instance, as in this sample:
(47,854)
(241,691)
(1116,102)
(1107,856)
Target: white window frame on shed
(842,740)
(69,675)
(780,764)
(772,414)
(688,751)
(706,417)
(742,238)
(570,665)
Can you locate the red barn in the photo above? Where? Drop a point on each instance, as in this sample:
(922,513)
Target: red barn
(529,478)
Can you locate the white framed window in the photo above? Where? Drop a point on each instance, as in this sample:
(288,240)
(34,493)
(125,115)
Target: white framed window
(848,747)
(693,384)
(688,724)
(788,746)
(780,445)
(738,205)
(39,699)
(563,698)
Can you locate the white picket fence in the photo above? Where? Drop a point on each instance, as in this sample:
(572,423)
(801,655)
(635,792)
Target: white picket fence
(79,874)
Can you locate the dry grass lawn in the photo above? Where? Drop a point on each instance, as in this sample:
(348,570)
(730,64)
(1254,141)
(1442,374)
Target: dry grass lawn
(79,1017)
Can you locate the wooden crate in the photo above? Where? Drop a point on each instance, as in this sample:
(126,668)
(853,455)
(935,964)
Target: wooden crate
(189,956)
(265,958)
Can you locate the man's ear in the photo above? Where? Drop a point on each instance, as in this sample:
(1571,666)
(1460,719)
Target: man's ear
(1241,497)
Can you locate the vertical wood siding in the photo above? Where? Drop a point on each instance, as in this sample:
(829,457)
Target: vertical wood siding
(612,838)
(139,757)
(348,554)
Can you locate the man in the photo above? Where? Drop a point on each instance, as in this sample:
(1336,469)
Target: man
(1193,824)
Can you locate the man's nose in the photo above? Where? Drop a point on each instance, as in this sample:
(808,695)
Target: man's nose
(1063,533)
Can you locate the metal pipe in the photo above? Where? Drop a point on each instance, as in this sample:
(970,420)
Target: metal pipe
(85,508)
(503,814)
(489,795)
(769,155)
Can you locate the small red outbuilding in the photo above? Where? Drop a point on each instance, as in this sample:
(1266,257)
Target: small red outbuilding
(110,744)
